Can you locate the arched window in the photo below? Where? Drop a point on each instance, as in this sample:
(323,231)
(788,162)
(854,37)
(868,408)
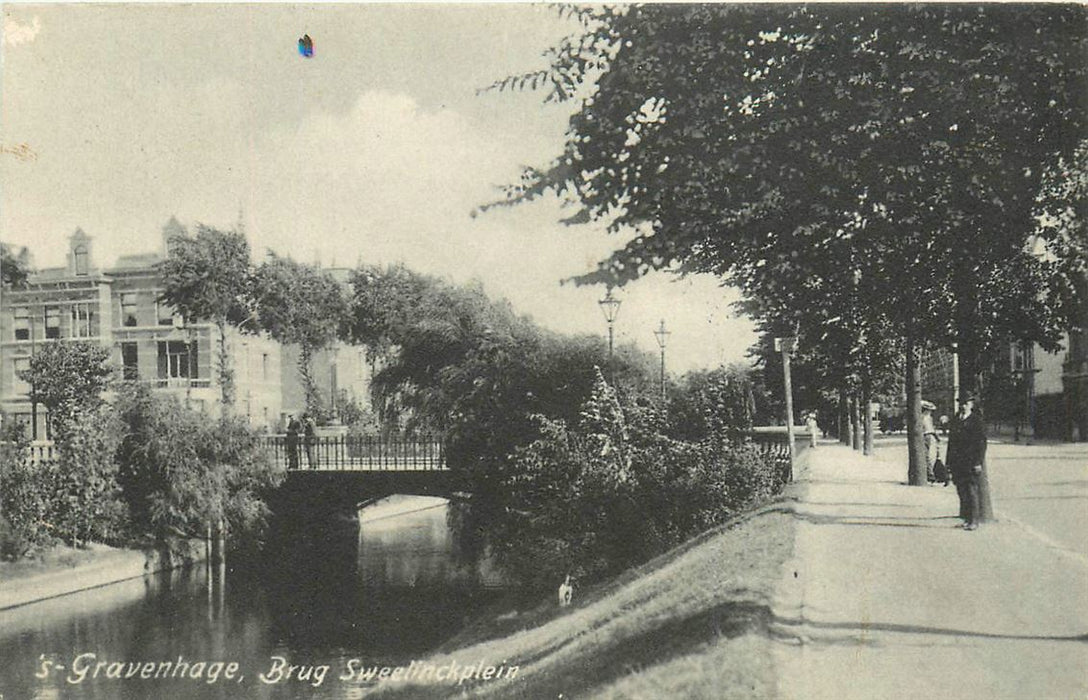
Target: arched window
(80,254)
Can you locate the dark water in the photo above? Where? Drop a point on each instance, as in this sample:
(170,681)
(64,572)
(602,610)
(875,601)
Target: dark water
(332,598)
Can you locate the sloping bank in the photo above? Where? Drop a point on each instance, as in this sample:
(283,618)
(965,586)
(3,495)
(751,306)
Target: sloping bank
(693,623)
(62,571)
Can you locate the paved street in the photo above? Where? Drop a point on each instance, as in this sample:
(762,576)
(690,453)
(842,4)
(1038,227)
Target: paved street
(1044,488)
(888,598)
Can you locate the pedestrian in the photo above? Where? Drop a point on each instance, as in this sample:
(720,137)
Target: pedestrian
(292,442)
(309,438)
(932,439)
(966,453)
(813,426)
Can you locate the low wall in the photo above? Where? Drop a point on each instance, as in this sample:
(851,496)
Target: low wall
(109,567)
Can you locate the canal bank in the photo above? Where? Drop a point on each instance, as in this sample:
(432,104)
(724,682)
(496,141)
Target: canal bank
(378,590)
(65,570)
(695,622)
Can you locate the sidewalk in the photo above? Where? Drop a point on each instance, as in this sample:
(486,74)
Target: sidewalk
(888,598)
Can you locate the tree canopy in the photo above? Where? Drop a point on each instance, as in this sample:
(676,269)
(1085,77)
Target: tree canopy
(864,175)
(796,148)
(68,378)
(299,304)
(206,278)
(13,266)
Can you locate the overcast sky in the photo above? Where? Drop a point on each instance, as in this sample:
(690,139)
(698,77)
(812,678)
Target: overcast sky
(377,149)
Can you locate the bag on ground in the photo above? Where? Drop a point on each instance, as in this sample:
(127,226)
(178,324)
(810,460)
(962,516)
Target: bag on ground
(940,472)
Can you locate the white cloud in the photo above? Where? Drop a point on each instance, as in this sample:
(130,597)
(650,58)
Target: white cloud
(15,33)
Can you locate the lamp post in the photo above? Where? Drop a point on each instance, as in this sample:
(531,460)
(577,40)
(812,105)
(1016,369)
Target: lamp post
(786,346)
(33,388)
(610,306)
(180,323)
(662,336)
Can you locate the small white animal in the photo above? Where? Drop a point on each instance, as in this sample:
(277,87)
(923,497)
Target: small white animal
(565,592)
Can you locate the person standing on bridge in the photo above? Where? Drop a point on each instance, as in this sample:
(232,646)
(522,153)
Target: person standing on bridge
(309,437)
(291,443)
(966,452)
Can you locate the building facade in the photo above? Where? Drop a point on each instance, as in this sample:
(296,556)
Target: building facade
(119,308)
(1027,391)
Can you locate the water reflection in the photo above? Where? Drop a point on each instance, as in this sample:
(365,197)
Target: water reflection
(421,525)
(383,591)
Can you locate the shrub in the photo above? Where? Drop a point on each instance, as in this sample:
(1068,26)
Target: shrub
(616,491)
(86,500)
(24,500)
(76,499)
(181,472)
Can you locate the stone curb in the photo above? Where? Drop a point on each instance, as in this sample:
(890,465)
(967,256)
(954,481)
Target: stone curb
(120,565)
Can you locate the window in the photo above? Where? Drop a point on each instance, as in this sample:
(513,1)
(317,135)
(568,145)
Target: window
(82,317)
(128,309)
(130,361)
(81,259)
(19,385)
(52,322)
(264,366)
(177,359)
(22,323)
(164,313)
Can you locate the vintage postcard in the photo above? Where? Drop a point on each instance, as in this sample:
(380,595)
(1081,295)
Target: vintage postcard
(434,350)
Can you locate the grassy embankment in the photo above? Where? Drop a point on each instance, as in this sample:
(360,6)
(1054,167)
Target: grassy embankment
(692,623)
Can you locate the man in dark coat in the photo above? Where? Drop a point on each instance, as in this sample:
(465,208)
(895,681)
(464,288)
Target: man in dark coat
(309,438)
(291,443)
(966,453)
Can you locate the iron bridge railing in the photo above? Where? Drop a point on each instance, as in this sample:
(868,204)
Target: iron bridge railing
(358,453)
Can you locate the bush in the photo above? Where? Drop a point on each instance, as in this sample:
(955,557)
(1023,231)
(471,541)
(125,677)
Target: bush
(86,498)
(24,499)
(181,472)
(615,491)
(76,499)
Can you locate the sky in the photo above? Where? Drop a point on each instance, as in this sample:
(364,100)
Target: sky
(378,149)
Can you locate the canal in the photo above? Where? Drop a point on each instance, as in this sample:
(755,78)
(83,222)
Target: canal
(334,599)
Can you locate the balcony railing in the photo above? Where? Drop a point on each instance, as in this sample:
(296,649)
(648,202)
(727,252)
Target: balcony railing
(180,383)
(42,452)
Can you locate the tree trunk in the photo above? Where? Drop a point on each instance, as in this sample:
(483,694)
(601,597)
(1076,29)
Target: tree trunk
(855,422)
(840,423)
(305,371)
(848,434)
(226,374)
(867,416)
(916,449)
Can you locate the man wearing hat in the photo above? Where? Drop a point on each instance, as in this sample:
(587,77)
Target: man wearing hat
(966,452)
(932,439)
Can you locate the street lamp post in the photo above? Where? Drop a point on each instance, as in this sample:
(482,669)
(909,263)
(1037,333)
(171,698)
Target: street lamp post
(662,336)
(610,306)
(786,346)
(33,388)
(180,323)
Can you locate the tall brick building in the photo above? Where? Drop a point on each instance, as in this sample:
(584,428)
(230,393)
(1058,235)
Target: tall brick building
(118,308)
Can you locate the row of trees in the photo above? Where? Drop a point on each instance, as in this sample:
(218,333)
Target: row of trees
(209,277)
(139,469)
(569,473)
(876,181)
(564,466)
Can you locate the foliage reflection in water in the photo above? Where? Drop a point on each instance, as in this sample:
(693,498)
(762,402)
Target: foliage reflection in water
(339,593)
